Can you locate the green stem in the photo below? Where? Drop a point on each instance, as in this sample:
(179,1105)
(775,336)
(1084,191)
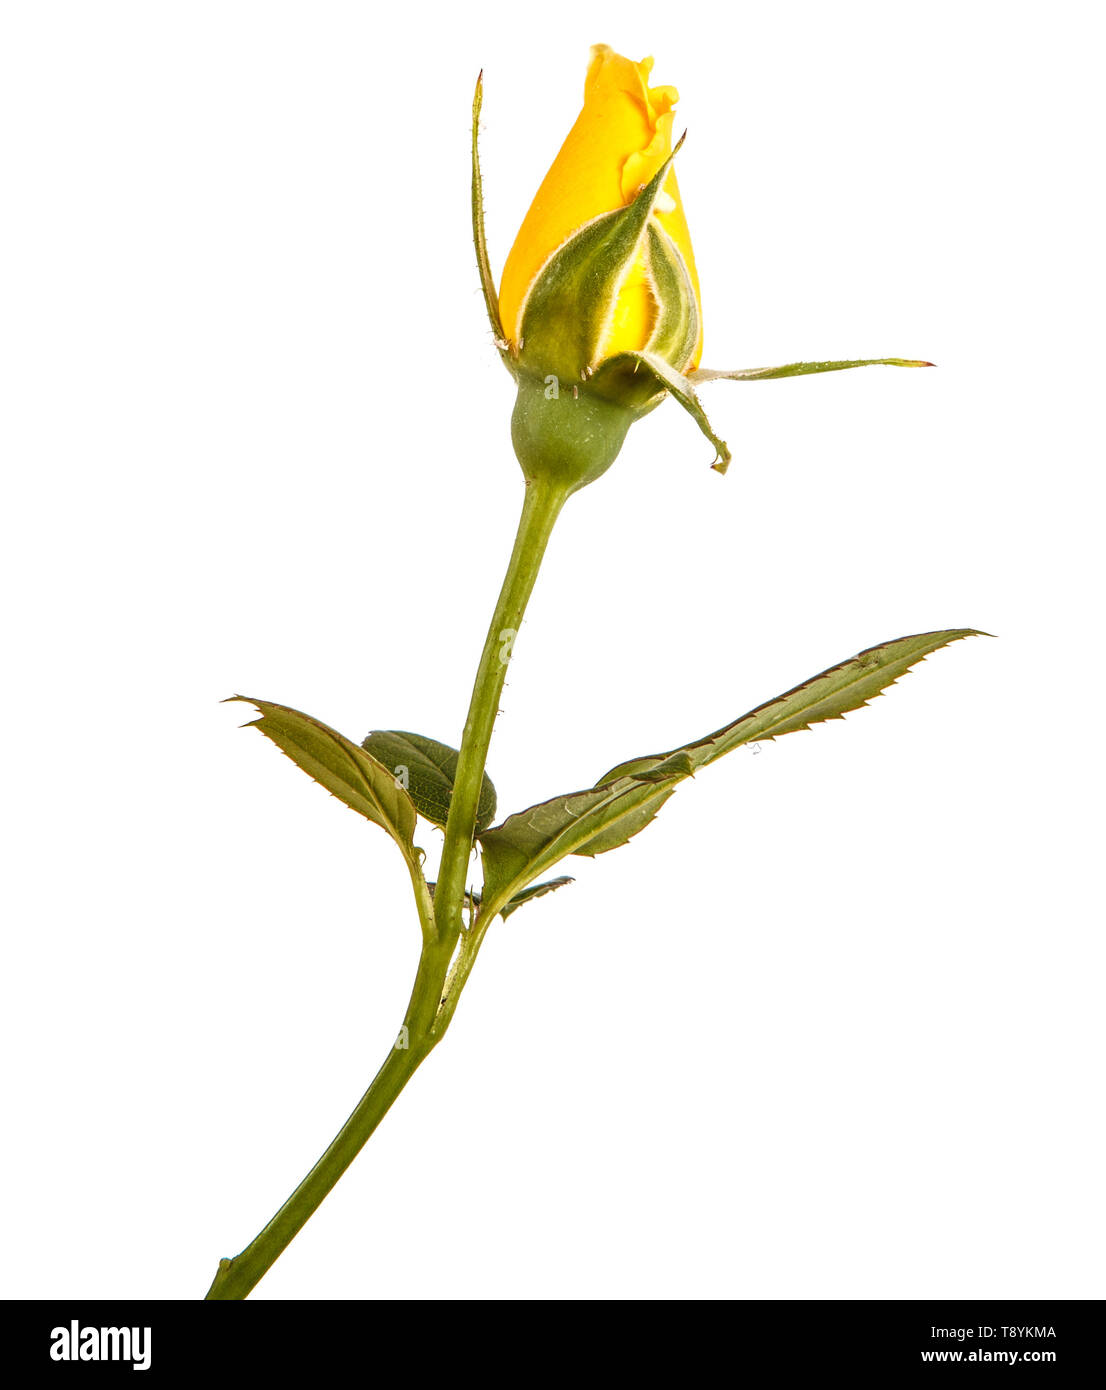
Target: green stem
(427,1017)
(236,1277)
(540,510)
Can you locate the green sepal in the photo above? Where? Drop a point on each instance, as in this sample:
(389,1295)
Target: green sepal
(571,300)
(479,238)
(427,769)
(676,330)
(651,377)
(355,777)
(798,369)
(628,797)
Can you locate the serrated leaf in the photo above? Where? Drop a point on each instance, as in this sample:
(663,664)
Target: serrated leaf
(536,890)
(630,814)
(586,822)
(628,797)
(678,764)
(428,769)
(830,695)
(355,777)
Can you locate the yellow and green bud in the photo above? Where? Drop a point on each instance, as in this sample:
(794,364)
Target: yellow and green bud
(601,269)
(598,314)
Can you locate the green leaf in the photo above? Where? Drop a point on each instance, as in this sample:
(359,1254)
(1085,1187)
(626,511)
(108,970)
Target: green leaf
(635,808)
(586,822)
(427,769)
(798,369)
(536,890)
(829,695)
(346,771)
(628,797)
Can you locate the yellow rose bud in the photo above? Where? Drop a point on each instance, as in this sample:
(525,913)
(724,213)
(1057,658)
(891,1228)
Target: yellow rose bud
(621,140)
(598,314)
(599,299)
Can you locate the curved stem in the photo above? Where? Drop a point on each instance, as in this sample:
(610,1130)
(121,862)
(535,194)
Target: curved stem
(540,510)
(427,1015)
(235,1278)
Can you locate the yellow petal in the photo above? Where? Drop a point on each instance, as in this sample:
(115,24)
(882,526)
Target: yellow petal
(621,138)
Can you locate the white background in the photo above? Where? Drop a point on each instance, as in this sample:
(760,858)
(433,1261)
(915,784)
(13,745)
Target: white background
(832,1027)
